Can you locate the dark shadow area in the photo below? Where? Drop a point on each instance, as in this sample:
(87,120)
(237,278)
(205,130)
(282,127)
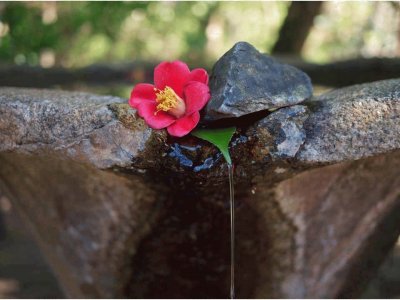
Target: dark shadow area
(23,271)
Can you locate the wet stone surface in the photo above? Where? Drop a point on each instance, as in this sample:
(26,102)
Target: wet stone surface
(285,126)
(244,81)
(342,125)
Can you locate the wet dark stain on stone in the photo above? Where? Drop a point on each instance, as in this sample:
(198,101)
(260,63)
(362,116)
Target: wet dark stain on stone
(187,253)
(187,256)
(200,159)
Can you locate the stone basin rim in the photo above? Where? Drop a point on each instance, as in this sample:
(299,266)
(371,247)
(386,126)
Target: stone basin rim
(105,132)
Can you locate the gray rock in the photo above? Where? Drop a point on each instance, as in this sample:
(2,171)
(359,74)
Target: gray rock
(102,130)
(353,122)
(30,116)
(286,126)
(244,81)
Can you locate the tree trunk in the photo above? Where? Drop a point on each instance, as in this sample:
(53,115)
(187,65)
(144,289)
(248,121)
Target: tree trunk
(296,27)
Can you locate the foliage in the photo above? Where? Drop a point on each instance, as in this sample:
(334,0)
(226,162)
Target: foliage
(82,33)
(218,137)
(75,34)
(351,29)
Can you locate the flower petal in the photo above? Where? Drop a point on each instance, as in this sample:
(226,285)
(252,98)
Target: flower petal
(159,120)
(199,75)
(173,74)
(197,95)
(184,125)
(142,92)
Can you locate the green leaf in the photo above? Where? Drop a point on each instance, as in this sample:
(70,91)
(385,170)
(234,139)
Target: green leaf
(219,137)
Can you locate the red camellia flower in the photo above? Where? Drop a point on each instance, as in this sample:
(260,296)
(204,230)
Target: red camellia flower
(175,99)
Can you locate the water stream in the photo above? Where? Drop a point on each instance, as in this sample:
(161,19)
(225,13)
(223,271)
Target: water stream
(232,211)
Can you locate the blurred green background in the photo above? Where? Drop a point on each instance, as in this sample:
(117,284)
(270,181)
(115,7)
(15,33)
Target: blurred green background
(77,34)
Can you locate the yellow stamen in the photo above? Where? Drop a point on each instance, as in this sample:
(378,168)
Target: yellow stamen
(169,101)
(166,99)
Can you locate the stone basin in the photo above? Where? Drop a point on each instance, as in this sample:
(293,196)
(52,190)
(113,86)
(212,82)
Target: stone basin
(121,210)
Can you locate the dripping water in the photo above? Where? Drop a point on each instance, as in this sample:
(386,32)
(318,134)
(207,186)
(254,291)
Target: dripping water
(232,218)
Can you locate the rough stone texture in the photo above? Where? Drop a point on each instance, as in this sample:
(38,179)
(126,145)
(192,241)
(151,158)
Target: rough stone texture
(88,222)
(78,125)
(67,115)
(244,81)
(286,128)
(123,211)
(326,229)
(353,122)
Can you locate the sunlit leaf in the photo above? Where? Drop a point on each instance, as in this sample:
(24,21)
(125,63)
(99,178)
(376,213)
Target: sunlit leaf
(219,137)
